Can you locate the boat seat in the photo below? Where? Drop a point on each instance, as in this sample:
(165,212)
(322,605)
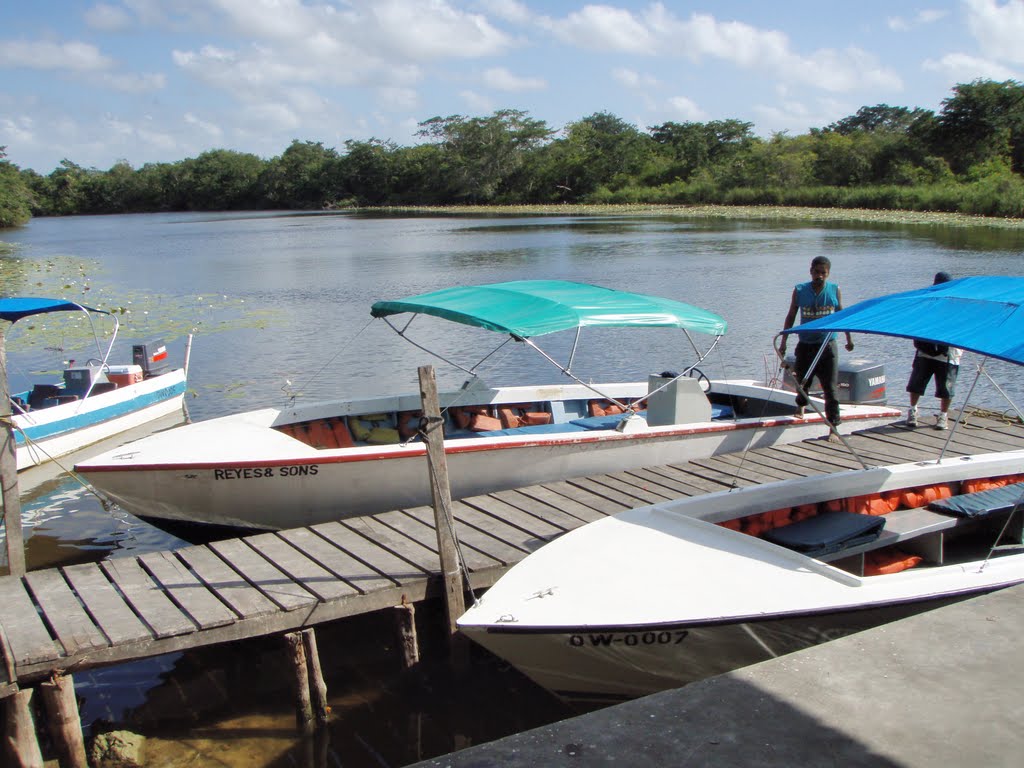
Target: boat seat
(827,533)
(980,504)
(103,386)
(41,393)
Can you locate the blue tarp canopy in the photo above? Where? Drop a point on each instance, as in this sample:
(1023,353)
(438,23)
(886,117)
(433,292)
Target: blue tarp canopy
(980,314)
(525,308)
(15,309)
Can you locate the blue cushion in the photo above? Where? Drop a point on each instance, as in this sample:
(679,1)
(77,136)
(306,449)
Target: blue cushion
(981,503)
(827,533)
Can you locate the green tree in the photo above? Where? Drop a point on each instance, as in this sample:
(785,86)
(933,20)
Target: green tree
(601,150)
(982,121)
(15,196)
(482,154)
(222,180)
(301,177)
(695,146)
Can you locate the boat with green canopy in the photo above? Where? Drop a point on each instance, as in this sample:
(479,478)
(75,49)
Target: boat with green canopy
(303,464)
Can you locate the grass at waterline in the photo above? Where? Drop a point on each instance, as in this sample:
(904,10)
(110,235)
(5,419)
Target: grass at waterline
(754,212)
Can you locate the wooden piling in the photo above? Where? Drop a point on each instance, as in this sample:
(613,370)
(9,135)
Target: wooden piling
(303,703)
(9,474)
(63,721)
(451,572)
(318,688)
(20,740)
(405,630)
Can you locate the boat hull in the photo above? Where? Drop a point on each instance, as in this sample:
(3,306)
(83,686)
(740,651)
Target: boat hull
(600,666)
(277,482)
(50,433)
(659,596)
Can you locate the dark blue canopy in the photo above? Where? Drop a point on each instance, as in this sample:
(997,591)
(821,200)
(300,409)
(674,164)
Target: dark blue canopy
(15,309)
(980,314)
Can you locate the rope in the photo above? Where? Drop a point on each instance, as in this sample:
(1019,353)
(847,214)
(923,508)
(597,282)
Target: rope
(104,502)
(330,361)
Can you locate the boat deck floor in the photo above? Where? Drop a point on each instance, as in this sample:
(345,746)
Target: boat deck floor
(81,616)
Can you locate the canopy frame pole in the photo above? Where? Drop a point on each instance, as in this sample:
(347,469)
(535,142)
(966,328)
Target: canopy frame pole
(967,399)
(1002,392)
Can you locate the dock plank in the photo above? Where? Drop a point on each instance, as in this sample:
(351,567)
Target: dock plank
(418,524)
(106,605)
(27,636)
(191,595)
(595,501)
(258,571)
(570,506)
(397,569)
(211,566)
(74,628)
(357,574)
(512,515)
(559,519)
(311,576)
(404,548)
(164,618)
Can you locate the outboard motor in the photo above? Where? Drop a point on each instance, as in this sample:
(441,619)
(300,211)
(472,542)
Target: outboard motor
(151,357)
(860,381)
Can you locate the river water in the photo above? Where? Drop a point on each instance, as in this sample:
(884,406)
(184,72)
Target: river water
(279,306)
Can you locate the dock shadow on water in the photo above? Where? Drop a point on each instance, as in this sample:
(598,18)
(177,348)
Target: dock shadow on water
(234,706)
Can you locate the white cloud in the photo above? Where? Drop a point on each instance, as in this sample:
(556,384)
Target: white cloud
(603,28)
(73,57)
(501,79)
(634,80)
(963,68)
(107,18)
(395,99)
(508,10)
(477,102)
(658,32)
(683,108)
(210,129)
(998,28)
(927,16)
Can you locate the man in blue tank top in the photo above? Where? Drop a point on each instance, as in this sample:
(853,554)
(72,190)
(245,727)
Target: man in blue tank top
(815,299)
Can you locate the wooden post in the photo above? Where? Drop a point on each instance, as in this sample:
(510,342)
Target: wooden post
(64,722)
(444,522)
(303,704)
(405,629)
(20,739)
(317,685)
(9,475)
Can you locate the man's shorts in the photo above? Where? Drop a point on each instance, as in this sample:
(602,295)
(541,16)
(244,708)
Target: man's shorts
(925,368)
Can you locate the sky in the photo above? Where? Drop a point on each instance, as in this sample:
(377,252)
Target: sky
(148,81)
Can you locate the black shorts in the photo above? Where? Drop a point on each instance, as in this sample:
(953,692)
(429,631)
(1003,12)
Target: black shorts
(925,368)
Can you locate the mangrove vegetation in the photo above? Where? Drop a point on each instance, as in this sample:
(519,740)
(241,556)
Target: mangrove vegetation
(967,158)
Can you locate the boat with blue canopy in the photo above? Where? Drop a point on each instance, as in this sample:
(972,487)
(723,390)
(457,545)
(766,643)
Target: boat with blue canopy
(662,595)
(91,401)
(301,464)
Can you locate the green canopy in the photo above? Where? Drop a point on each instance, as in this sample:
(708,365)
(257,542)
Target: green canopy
(525,308)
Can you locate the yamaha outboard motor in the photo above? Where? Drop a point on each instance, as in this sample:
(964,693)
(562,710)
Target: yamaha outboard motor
(152,357)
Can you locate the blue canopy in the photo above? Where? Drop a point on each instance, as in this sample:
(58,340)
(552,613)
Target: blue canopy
(15,309)
(980,314)
(526,308)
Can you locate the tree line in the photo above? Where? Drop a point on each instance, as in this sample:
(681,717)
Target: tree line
(968,157)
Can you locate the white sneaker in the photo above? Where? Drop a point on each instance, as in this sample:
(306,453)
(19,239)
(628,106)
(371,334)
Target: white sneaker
(912,417)
(942,421)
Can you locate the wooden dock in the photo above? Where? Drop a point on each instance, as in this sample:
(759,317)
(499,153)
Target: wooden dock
(61,620)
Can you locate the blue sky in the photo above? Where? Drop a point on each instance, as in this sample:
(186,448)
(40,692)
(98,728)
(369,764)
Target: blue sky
(163,80)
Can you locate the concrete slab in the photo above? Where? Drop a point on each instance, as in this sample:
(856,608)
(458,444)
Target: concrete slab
(944,687)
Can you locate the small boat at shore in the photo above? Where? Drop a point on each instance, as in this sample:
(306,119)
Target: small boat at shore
(663,595)
(93,401)
(304,464)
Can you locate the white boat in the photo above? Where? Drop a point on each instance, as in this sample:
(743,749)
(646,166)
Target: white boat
(94,401)
(659,596)
(304,464)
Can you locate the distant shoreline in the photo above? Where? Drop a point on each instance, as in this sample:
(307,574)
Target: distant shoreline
(762,212)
